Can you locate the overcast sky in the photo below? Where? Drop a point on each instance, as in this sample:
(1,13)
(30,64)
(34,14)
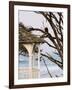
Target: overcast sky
(31,19)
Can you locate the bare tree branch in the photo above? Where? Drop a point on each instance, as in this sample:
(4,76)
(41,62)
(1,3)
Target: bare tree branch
(53,60)
(46,67)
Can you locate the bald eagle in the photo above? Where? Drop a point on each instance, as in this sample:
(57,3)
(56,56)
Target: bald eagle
(46,29)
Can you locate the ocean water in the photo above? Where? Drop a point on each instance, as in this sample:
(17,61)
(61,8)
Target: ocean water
(23,61)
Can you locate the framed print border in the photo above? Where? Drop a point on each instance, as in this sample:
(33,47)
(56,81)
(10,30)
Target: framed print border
(11,43)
